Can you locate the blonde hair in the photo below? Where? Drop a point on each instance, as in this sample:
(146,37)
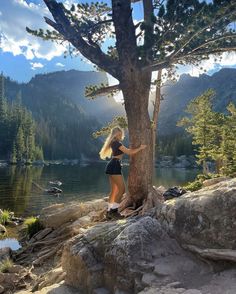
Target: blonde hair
(106,150)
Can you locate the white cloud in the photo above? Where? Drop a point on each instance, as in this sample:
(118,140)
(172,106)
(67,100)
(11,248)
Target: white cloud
(227,60)
(15,16)
(60,64)
(35,65)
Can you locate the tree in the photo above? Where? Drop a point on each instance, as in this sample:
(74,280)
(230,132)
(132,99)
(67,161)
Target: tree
(156,109)
(201,125)
(172,32)
(20,144)
(228,142)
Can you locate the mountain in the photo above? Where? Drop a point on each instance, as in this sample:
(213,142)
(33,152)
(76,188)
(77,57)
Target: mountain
(69,85)
(65,118)
(178,95)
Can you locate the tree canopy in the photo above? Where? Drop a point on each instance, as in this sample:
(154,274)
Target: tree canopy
(170,32)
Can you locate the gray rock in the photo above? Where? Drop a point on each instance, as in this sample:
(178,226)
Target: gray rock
(1,289)
(122,255)
(58,214)
(205,218)
(101,291)
(214,181)
(3,230)
(5,253)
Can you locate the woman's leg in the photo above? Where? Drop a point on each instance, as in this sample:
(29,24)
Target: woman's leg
(114,190)
(119,182)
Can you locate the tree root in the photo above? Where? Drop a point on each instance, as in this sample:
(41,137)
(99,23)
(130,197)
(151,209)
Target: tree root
(131,212)
(215,254)
(43,257)
(153,199)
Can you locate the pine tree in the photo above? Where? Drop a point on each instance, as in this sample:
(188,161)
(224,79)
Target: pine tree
(13,158)
(20,144)
(228,142)
(201,125)
(3,101)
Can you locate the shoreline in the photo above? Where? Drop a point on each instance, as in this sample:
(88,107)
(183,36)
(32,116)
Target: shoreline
(157,251)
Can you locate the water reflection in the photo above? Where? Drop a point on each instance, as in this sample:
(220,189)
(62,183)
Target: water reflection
(22,189)
(16,186)
(10,242)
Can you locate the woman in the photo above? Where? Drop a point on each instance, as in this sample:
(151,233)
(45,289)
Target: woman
(113,147)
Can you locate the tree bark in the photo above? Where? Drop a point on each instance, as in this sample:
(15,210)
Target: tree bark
(135,87)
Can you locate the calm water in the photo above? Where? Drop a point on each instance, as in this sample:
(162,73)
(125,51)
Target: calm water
(22,188)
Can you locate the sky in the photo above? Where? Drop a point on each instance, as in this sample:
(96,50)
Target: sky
(23,55)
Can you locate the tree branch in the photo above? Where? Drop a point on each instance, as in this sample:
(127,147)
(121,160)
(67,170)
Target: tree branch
(149,26)
(125,38)
(189,39)
(102,91)
(212,41)
(91,52)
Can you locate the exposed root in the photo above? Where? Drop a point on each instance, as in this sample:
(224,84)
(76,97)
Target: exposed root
(215,254)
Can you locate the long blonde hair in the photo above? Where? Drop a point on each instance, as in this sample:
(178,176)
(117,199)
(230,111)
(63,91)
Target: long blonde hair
(106,150)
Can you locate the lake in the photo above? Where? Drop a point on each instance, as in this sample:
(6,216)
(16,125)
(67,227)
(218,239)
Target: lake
(22,187)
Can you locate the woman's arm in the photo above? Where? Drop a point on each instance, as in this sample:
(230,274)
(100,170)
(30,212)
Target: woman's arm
(132,151)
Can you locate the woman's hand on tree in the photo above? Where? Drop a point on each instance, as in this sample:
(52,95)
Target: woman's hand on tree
(142,146)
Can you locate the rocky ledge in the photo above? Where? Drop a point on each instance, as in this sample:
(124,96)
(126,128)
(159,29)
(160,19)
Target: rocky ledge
(185,245)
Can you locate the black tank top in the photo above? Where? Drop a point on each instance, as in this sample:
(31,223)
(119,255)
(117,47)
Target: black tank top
(115,148)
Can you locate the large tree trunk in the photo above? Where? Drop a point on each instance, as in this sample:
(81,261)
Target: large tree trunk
(135,88)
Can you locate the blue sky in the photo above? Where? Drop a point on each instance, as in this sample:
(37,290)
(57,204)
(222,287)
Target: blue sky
(22,55)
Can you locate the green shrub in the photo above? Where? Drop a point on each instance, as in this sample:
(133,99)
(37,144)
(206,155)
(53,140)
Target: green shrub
(5,217)
(197,183)
(202,177)
(33,225)
(5,265)
(193,186)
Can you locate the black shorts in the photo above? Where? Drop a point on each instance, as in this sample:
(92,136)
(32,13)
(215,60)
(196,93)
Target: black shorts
(114,167)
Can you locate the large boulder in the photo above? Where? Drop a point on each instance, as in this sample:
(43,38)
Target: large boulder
(205,218)
(58,214)
(125,257)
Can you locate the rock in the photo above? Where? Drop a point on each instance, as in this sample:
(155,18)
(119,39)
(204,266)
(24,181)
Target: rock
(59,288)
(41,234)
(17,269)
(54,276)
(167,290)
(122,255)
(214,181)
(101,291)
(9,280)
(192,291)
(205,218)
(3,230)
(1,289)
(222,282)
(1,278)
(5,253)
(56,215)
(149,279)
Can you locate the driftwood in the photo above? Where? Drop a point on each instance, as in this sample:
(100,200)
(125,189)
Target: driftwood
(215,254)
